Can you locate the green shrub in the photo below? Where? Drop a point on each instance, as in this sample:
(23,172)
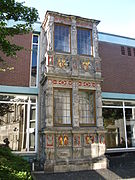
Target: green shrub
(13,166)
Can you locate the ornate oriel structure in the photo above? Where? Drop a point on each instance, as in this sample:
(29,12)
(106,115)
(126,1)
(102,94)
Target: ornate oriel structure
(72,136)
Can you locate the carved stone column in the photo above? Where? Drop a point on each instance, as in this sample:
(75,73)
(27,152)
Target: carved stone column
(95,41)
(49,104)
(73,37)
(50,29)
(99,106)
(75,104)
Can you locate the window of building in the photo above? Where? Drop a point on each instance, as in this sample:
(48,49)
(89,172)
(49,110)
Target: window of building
(62,106)
(62,38)
(122,50)
(129,51)
(34,60)
(84,42)
(18,122)
(119,121)
(87,107)
(134,51)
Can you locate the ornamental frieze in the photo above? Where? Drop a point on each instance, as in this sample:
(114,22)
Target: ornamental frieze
(62,20)
(68,83)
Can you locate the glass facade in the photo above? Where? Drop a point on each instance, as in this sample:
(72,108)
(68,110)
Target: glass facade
(18,122)
(119,121)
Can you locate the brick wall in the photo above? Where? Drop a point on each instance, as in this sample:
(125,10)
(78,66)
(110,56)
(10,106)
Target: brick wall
(118,71)
(20,75)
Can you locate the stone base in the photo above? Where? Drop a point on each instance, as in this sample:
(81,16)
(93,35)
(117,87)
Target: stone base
(78,165)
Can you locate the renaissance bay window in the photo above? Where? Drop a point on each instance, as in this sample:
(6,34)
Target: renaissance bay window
(87,107)
(18,122)
(84,42)
(62,38)
(119,121)
(62,106)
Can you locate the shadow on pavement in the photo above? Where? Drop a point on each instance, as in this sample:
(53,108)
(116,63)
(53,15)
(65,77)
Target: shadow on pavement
(80,175)
(123,165)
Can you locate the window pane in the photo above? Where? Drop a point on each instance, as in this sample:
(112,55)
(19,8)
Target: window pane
(35,39)
(62,107)
(84,42)
(34,60)
(112,103)
(131,103)
(130,126)
(13,125)
(86,107)
(61,38)
(114,124)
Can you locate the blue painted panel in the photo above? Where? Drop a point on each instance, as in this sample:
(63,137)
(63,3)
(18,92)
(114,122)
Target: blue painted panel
(111,38)
(107,95)
(18,90)
(36,26)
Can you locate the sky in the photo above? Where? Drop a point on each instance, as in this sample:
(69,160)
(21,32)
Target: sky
(116,16)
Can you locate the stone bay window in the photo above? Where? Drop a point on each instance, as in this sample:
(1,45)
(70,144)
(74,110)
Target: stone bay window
(71,104)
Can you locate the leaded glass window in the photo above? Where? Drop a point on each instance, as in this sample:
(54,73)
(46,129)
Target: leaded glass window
(61,38)
(84,41)
(87,107)
(62,106)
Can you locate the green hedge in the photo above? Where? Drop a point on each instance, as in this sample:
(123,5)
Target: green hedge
(12,166)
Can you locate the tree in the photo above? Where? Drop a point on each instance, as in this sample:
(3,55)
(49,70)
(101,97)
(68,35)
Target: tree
(23,17)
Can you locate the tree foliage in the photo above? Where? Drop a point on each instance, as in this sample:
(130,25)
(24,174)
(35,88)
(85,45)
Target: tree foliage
(13,166)
(23,18)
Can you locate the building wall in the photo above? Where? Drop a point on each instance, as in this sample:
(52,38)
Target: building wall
(17,70)
(117,70)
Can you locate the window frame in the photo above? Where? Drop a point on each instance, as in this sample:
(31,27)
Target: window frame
(123,51)
(124,107)
(91,35)
(94,94)
(37,73)
(129,52)
(62,125)
(64,25)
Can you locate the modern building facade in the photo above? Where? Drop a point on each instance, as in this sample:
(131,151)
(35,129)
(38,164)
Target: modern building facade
(68,98)
(19,95)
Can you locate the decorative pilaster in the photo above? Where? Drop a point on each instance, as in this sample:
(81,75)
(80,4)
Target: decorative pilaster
(73,36)
(49,105)
(99,106)
(50,29)
(75,104)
